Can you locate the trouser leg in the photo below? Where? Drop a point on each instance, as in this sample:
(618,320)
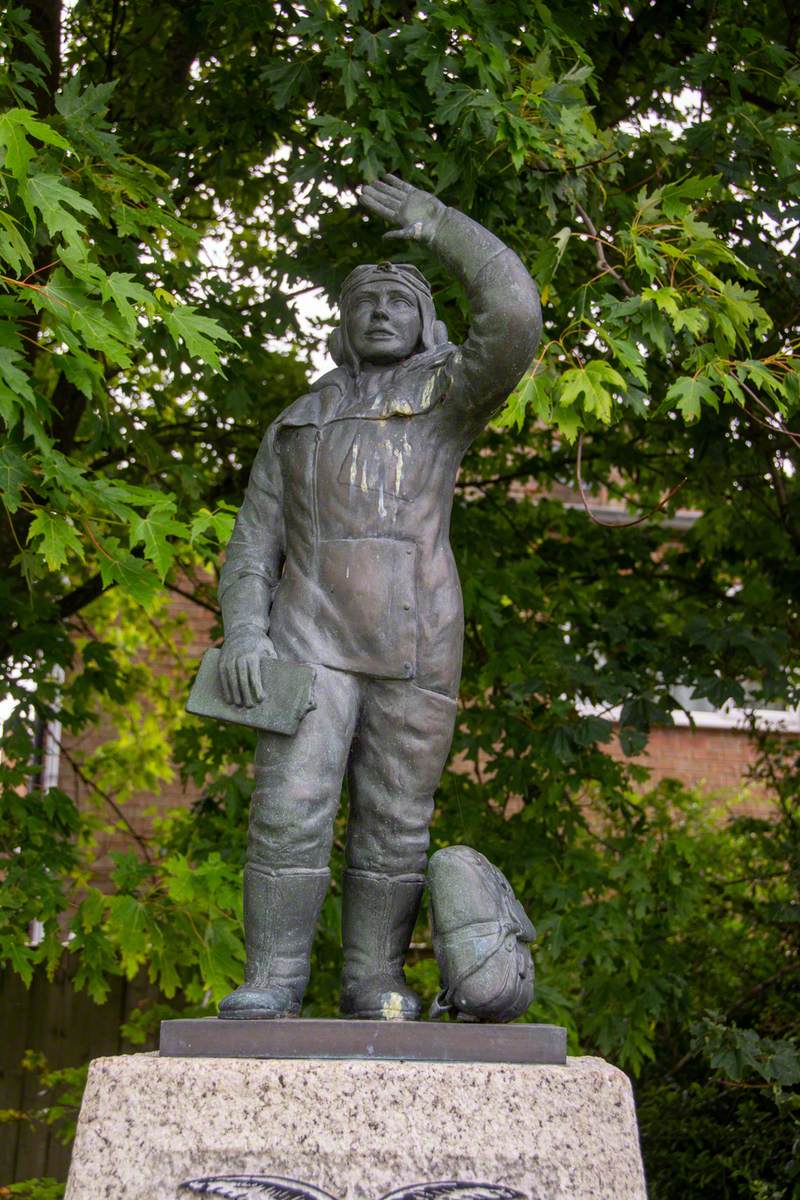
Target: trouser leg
(298,785)
(299,779)
(396,762)
(403,740)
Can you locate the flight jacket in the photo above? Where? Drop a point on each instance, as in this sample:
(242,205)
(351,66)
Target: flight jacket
(341,551)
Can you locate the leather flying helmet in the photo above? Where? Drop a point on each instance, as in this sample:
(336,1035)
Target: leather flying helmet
(433,332)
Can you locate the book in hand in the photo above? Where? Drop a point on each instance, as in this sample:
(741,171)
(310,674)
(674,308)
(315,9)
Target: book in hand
(288,695)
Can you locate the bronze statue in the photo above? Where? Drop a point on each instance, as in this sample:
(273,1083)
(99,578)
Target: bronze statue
(340,560)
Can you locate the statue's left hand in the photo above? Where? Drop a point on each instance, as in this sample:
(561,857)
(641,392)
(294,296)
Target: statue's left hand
(416,212)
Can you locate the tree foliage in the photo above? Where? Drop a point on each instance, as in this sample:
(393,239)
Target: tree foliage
(156,242)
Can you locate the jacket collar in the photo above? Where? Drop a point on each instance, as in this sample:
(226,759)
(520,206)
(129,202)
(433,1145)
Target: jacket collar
(414,387)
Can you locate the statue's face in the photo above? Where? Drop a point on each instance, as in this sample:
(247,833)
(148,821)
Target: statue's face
(383,322)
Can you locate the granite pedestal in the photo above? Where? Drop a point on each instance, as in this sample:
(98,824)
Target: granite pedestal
(164,1128)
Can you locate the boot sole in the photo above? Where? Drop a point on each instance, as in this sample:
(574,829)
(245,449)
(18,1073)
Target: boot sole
(257,1014)
(377,1014)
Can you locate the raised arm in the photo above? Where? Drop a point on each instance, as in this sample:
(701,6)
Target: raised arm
(506,319)
(250,574)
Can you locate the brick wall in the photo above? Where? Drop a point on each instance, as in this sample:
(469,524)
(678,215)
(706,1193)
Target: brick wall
(715,760)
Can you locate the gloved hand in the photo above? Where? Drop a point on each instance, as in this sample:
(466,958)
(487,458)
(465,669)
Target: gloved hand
(240,665)
(417,212)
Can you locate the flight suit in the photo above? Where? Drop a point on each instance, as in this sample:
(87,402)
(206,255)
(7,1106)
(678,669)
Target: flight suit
(346,523)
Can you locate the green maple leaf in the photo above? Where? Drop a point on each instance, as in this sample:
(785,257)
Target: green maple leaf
(665,298)
(153,530)
(57,538)
(108,495)
(76,101)
(198,333)
(351,74)
(693,319)
(83,371)
(61,295)
(783,1065)
(12,377)
(15,125)
(14,474)
(99,333)
(62,472)
(128,926)
(534,393)
(626,352)
(21,961)
(54,200)
(286,80)
(676,197)
(92,910)
(592,382)
(19,150)
(456,99)
(134,493)
(220,956)
(688,394)
(517,405)
(760,376)
(17,395)
(220,522)
(568,423)
(515,409)
(121,289)
(13,247)
(130,573)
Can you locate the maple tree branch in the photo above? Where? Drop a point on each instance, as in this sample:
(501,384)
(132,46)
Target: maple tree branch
(109,800)
(599,252)
(620,524)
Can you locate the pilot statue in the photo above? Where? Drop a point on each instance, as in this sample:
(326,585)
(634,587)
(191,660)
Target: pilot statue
(340,559)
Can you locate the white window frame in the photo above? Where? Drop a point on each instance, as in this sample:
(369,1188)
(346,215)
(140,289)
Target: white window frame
(729,717)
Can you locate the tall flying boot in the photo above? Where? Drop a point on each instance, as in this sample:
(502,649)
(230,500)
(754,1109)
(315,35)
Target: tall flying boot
(281,909)
(378,916)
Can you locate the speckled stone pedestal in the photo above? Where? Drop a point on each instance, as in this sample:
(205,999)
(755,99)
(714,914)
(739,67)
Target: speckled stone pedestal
(356,1129)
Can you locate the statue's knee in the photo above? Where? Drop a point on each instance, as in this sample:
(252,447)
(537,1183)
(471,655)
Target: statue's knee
(384,851)
(290,834)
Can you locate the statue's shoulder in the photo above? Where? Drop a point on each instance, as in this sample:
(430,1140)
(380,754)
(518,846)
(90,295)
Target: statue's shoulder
(337,378)
(307,409)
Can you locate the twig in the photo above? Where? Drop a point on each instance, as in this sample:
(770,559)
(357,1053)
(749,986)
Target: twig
(620,524)
(779,426)
(102,549)
(38,270)
(771,428)
(112,32)
(594,162)
(190,596)
(600,253)
(13,530)
(110,801)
